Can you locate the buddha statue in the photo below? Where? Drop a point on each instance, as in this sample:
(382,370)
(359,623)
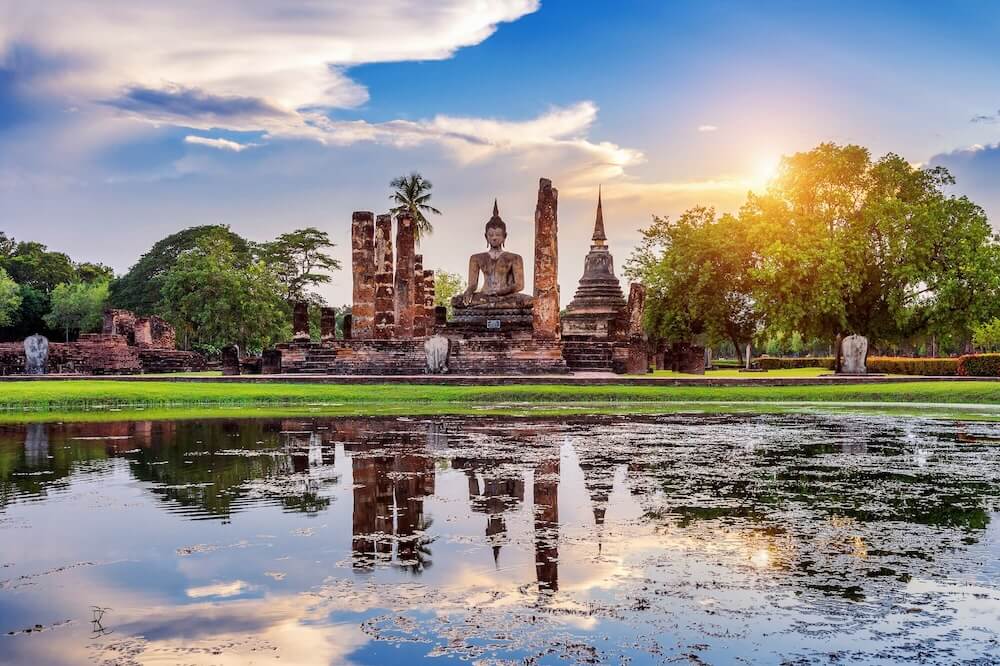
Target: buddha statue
(502,271)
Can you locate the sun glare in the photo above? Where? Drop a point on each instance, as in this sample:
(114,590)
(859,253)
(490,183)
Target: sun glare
(764,170)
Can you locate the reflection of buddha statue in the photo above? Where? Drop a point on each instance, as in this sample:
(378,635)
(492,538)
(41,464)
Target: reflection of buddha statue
(503,274)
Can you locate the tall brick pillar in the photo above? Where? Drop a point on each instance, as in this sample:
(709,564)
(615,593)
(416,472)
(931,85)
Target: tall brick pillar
(635,307)
(363,269)
(419,316)
(385,302)
(545,319)
(404,276)
(429,300)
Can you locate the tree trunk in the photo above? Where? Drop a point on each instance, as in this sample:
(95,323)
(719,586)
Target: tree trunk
(837,364)
(739,352)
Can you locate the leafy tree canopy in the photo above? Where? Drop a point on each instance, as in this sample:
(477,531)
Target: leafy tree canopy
(695,272)
(447,286)
(10,298)
(215,297)
(845,244)
(77,306)
(300,261)
(139,289)
(32,264)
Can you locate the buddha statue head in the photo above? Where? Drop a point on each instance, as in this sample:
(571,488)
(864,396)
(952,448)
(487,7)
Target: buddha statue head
(496,230)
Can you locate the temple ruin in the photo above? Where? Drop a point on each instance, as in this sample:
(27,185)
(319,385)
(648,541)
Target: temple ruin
(497,326)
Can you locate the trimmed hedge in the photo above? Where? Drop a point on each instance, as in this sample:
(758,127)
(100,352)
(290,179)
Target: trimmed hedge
(979,365)
(789,363)
(892,365)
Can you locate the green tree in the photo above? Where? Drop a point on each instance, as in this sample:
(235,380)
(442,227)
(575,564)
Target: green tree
(77,306)
(214,299)
(447,286)
(32,264)
(140,288)
(696,274)
(844,244)
(91,272)
(10,298)
(986,337)
(300,261)
(413,195)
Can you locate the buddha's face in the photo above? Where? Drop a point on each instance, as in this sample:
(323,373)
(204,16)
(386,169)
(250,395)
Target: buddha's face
(495,236)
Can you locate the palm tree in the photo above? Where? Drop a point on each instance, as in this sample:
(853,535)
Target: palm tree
(413,195)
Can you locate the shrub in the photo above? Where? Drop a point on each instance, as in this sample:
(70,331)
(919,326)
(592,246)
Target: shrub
(786,363)
(979,365)
(892,365)
(904,365)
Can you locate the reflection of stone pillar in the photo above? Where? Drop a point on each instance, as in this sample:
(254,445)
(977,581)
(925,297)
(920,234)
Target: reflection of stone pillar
(363,269)
(545,319)
(419,316)
(547,524)
(404,276)
(327,323)
(385,302)
(300,321)
(429,300)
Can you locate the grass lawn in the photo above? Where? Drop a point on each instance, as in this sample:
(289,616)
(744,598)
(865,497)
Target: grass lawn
(734,372)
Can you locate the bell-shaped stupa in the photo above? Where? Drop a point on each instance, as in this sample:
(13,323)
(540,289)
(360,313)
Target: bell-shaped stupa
(599,299)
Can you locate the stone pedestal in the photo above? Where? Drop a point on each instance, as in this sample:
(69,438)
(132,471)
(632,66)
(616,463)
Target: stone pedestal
(545,315)
(363,271)
(404,292)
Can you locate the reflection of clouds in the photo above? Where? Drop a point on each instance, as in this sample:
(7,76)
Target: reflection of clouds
(231,589)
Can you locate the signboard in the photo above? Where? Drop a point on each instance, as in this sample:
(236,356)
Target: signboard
(492,324)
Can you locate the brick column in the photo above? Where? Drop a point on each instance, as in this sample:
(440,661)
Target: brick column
(385,302)
(545,319)
(404,276)
(363,269)
(300,321)
(636,304)
(429,300)
(419,316)
(327,324)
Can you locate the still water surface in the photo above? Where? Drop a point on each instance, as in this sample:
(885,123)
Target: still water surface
(720,539)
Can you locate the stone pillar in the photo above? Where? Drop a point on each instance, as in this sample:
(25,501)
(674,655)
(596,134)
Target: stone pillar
(363,269)
(348,321)
(300,321)
(419,315)
(545,315)
(404,276)
(385,302)
(143,332)
(270,362)
(429,300)
(230,360)
(636,304)
(327,323)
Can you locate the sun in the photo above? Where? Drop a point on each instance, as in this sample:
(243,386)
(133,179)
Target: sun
(764,170)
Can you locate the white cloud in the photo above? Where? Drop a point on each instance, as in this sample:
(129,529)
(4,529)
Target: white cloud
(219,144)
(707,128)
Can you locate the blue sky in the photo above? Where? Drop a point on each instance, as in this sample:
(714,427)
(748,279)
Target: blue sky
(121,125)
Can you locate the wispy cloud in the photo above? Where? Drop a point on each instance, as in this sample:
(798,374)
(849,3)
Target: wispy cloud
(707,128)
(218,143)
(986,118)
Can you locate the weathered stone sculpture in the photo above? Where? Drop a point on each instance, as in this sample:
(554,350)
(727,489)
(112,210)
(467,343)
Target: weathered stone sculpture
(500,298)
(36,354)
(230,360)
(545,315)
(437,348)
(854,352)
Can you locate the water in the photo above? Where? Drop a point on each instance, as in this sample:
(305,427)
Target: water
(718,539)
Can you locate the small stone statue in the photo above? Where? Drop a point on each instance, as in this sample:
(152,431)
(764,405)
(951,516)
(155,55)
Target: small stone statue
(437,348)
(36,354)
(854,352)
